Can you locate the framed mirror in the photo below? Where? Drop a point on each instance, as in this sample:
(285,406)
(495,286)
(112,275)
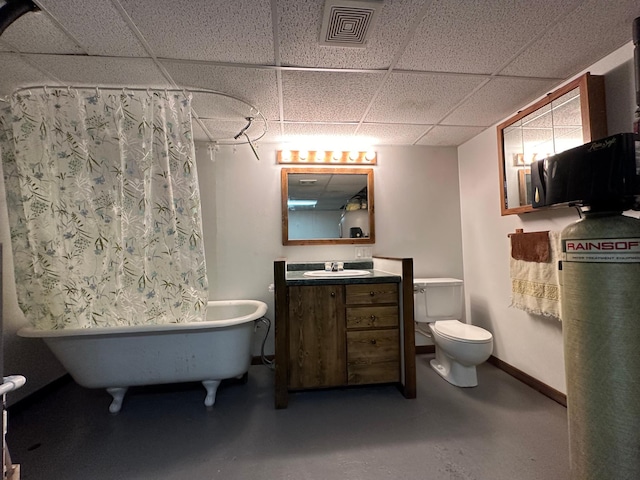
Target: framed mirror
(327,206)
(568,117)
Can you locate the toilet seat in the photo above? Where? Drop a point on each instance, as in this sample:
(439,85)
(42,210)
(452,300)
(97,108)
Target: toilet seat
(461,332)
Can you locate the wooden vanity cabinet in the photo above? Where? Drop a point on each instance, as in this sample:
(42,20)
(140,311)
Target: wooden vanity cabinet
(373,335)
(316,336)
(343,335)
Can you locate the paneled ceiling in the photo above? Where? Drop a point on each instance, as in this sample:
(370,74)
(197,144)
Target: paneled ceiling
(430,73)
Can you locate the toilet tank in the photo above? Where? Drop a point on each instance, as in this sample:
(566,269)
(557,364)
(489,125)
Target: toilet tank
(441,298)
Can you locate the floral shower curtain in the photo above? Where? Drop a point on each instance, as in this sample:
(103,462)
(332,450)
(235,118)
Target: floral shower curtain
(104,207)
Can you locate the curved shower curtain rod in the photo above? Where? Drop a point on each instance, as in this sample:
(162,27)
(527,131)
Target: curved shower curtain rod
(242,132)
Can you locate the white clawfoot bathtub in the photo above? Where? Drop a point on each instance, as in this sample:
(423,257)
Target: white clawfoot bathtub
(116,358)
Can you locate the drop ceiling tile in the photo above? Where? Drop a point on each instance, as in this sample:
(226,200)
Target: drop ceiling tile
(223,131)
(449,136)
(497,100)
(256,86)
(239,31)
(477,37)
(595,29)
(299,30)
(273,135)
(392,133)
(568,112)
(35,32)
(540,140)
(16,73)
(102,71)
(327,96)
(221,107)
(309,135)
(97,25)
(420,98)
(540,118)
(317,132)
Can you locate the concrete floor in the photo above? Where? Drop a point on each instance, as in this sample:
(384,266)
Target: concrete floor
(500,430)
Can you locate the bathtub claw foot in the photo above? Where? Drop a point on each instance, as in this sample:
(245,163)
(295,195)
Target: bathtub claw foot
(118,394)
(212,387)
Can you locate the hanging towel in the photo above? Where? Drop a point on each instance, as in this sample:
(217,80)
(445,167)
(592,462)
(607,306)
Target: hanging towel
(531,247)
(535,284)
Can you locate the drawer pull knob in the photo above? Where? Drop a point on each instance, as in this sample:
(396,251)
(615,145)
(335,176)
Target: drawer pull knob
(373,318)
(373,341)
(333,294)
(372,293)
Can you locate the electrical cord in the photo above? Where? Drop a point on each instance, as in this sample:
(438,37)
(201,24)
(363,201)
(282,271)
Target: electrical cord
(268,363)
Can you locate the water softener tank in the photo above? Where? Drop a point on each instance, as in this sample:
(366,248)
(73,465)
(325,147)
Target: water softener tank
(600,291)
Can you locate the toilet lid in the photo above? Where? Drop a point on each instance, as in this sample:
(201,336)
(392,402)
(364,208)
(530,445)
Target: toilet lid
(462,332)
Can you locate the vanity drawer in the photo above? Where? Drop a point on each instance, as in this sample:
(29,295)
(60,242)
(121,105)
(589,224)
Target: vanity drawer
(372,317)
(373,356)
(371,293)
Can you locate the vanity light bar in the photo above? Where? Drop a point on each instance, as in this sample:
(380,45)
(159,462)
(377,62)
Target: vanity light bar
(301,203)
(326,157)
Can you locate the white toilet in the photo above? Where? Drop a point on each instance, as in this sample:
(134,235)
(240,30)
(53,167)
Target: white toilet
(459,346)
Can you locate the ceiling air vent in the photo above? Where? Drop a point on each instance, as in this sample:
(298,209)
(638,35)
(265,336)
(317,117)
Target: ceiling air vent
(348,23)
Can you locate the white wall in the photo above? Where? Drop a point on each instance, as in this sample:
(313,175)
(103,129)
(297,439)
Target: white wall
(530,343)
(306,224)
(417,214)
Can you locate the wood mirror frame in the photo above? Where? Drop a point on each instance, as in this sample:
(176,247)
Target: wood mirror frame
(588,91)
(285,172)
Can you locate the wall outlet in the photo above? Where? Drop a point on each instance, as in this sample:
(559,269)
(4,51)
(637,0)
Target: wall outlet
(364,252)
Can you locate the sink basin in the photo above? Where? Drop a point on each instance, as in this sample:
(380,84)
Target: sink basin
(340,274)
